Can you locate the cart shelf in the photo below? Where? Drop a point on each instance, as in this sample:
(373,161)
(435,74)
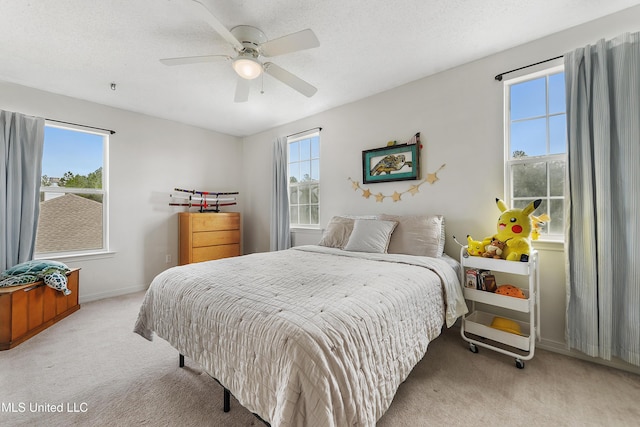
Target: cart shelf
(511,303)
(476,326)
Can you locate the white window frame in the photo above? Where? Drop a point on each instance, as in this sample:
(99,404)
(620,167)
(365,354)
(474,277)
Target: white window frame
(509,162)
(296,138)
(104,191)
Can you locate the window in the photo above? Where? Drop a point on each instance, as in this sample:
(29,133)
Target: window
(73,192)
(536,145)
(304,180)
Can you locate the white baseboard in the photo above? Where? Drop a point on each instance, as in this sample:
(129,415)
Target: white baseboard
(112,293)
(561,348)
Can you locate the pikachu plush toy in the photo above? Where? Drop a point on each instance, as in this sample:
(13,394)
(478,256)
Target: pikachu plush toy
(474,247)
(514,229)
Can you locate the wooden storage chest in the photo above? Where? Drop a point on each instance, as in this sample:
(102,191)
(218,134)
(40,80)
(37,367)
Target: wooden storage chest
(26,310)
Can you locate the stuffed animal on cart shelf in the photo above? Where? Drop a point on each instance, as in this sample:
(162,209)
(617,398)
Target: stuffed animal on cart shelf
(510,291)
(474,247)
(494,249)
(514,229)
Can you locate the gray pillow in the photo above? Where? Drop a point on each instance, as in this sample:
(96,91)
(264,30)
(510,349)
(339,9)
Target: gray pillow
(337,233)
(370,235)
(421,235)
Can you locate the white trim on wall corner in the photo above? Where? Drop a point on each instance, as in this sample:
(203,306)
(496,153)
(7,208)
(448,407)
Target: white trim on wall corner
(561,348)
(112,293)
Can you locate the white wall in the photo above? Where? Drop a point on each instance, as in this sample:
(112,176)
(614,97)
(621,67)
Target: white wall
(459,113)
(148,158)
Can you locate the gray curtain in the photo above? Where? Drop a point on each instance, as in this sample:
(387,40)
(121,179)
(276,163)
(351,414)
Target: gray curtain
(21,146)
(603,201)
(280,233)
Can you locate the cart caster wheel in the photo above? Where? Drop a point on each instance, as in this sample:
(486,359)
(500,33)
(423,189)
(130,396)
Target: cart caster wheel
(473,348)
(519,364)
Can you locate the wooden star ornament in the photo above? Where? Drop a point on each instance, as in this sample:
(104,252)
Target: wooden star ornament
(397,196)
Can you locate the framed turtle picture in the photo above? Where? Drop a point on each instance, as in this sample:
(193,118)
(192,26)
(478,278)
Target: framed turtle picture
(392,163)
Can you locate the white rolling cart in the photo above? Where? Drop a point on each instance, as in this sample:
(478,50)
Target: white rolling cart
(476,326)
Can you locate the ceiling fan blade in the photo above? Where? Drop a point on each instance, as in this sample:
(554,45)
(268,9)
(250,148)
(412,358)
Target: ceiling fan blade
(242,90)
(193,59)
(289,79)
(219,27)
(305,39)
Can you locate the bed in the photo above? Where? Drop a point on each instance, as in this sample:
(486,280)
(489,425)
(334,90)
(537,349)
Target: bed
(318,335)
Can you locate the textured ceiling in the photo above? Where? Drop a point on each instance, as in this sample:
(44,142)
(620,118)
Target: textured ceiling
(78,47)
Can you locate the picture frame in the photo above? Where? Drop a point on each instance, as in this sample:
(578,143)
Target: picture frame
(393,163)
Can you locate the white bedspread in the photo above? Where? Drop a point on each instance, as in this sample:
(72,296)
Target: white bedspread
(310,336)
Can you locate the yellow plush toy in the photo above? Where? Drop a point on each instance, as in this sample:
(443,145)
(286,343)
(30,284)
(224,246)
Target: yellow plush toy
(474,247)
(538,222)
(514,229)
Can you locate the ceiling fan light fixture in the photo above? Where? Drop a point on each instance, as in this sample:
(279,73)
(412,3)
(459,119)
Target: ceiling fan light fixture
(247,67)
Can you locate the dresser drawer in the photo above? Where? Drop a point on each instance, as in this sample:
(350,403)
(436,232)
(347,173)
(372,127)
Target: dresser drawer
(217,221)
(215,252)
(212,238)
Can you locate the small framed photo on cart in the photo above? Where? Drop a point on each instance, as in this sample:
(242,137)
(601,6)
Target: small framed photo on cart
(393,163)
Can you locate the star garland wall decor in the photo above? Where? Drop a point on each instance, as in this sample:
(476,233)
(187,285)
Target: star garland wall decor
(397,196)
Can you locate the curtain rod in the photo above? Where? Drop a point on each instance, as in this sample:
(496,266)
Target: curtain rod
(84,126)
(303,131)
(499,76)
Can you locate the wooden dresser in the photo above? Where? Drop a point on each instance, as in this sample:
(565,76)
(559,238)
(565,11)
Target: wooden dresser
(26,310)
(208,235)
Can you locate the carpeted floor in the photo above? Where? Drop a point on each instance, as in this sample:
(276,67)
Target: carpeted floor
(93,367)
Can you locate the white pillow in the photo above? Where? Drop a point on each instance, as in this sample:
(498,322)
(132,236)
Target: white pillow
(421,235)
(370,235)
(337,233)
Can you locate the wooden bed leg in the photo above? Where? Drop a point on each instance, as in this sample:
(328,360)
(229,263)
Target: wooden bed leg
(181,363)
(227,400)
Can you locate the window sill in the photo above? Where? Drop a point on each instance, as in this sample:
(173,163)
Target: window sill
(548,245)
(299,229)
(89,256)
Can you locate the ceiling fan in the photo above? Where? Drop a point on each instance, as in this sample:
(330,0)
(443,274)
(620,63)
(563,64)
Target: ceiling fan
(251,44)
